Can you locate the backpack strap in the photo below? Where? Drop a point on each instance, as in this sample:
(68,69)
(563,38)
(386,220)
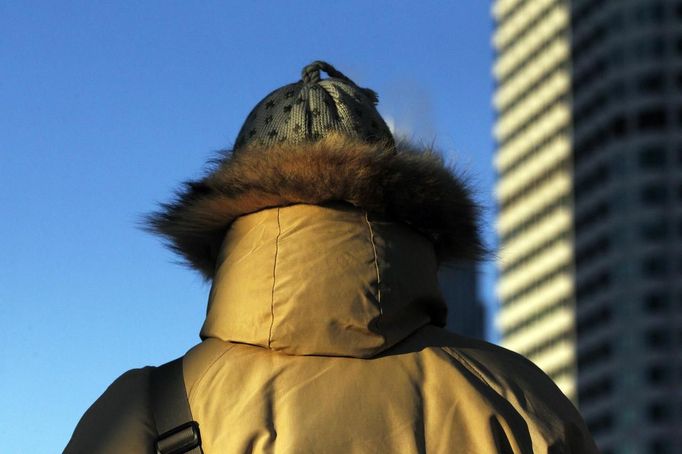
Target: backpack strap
(179,433)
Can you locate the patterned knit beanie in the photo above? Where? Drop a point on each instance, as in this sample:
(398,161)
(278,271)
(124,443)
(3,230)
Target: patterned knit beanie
(311,108)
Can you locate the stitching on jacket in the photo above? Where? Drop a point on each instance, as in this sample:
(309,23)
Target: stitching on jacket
(465,362)
(274,268)
(376,263)
(196,383)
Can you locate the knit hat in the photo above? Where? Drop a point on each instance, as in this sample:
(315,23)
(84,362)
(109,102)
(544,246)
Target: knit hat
(312,108)
(314,142)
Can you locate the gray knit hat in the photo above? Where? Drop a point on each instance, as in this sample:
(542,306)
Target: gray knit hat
(312,108)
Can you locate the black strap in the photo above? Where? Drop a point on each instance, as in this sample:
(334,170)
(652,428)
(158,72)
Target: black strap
(179,433)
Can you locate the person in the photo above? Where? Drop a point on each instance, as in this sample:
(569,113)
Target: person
(322,236)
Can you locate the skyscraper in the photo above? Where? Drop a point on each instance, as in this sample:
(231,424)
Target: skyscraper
(534,186)
(589,161)
(627,112)
(466,314)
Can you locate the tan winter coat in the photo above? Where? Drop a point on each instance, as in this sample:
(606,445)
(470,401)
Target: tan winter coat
(321,336)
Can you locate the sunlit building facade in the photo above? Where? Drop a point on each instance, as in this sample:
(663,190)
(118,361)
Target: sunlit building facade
(589,190)
(534,185)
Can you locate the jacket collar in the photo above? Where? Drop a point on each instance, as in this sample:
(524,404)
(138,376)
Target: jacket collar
(410,185)
(322,280)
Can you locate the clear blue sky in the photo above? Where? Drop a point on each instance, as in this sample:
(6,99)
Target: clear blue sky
(106,106)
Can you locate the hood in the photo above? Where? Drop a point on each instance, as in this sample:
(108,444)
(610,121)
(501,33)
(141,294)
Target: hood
(401,182)
(327,280)
(324,248)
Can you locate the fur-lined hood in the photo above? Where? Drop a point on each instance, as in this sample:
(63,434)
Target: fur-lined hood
(404,183)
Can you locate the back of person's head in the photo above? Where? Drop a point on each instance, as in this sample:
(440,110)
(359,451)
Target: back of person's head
(316,141)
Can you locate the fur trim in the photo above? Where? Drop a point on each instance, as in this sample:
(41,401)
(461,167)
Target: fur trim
(403,183)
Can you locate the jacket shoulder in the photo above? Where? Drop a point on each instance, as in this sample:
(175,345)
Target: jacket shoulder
(509,372)
(512,380)
(120,420)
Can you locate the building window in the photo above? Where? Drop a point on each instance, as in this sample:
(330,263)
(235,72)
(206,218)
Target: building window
(658,338)
(597,248)
(562,202)
(599,212)
(649,13)
(594,320)
(653,157)
(559,67)
(655,302)
(654,194)
(562,167)
(538,316)
(651,83)
(650,47)
(596,283)
(599,389)
(548,344)
(535,252)
(652,119)
(597,140)
(550,139)
(659,412)
(530,122)
(659,374)
(586,10)
(660,447)
(595,70)
(654,266)
(596,354)
(529,27)
(654,230)
(678,80)
(600,423)
(536,284)
(596,35)
(558,36)
(678,46)
(595,178)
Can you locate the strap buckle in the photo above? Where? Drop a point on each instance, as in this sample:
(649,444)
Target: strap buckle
(179,440)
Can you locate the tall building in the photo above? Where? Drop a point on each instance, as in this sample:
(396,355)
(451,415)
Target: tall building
(627,111)
(466,314)
(589,160)
(534,185)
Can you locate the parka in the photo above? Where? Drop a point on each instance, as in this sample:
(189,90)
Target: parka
(324,328)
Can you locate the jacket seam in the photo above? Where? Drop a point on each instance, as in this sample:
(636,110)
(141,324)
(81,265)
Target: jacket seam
(274,276)
(203,374)
(466,364)
(376,262)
